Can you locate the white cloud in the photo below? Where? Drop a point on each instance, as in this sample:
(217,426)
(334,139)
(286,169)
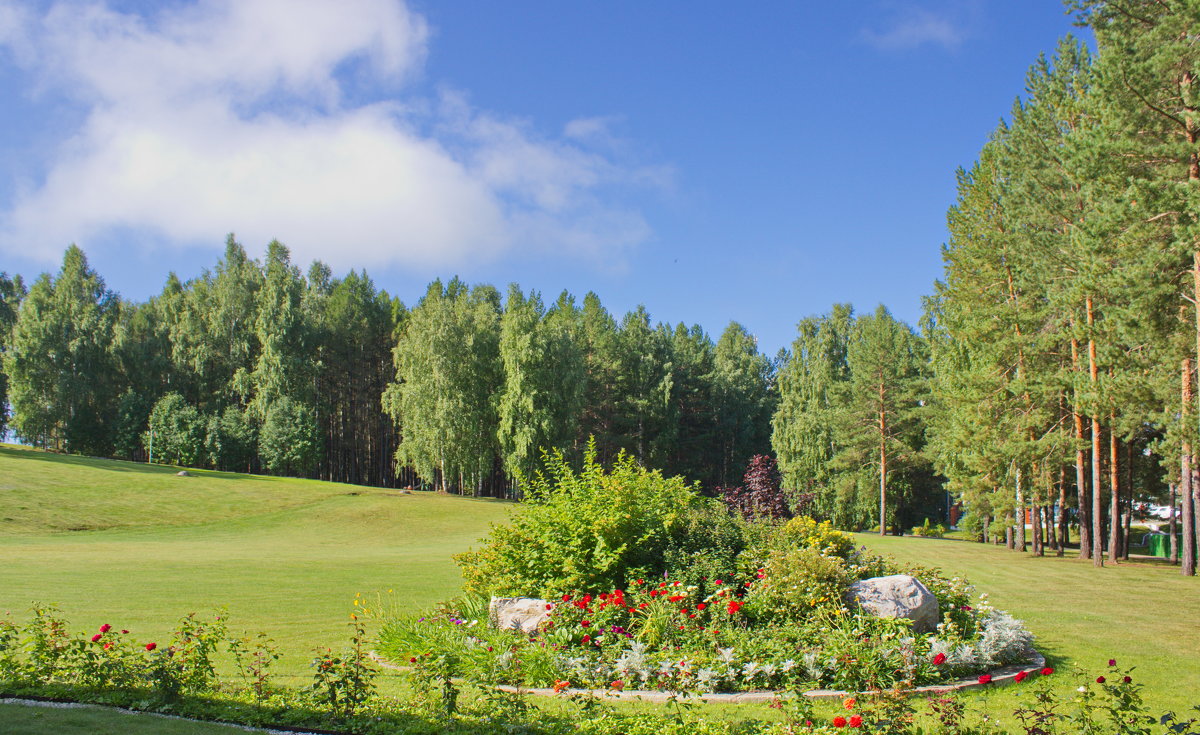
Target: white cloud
(914,26)
(229,115)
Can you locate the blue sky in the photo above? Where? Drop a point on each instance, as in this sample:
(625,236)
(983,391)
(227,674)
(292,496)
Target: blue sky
(714,161)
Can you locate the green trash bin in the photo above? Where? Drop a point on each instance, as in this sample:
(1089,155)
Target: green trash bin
(1159,544)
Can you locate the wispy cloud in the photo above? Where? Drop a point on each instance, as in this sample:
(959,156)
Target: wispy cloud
(910,26)
(230,115)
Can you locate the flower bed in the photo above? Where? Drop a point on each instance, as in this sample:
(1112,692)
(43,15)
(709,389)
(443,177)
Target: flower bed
(668,636)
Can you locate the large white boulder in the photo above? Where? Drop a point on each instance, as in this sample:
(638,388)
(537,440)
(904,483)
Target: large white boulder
(898,596)
(525,614)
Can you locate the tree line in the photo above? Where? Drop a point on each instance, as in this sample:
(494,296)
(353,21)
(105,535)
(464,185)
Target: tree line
(1050,387)
(256,366)
(1065,332)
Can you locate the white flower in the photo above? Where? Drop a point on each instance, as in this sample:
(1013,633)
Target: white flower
(726,655)
(788,665)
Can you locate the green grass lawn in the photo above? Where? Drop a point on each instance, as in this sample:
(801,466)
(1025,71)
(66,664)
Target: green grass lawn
(24,720)
(285,556)
(1141,613)
(138,547)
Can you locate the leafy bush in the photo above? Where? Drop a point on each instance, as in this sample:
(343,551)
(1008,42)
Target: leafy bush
(705,545)
(176,432)
(823,537)
(289,440)
(796,582)
(230,440)
(591,530)
(760,495)
(936,530)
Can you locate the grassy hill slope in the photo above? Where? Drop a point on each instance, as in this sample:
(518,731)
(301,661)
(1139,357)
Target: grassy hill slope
(286,556)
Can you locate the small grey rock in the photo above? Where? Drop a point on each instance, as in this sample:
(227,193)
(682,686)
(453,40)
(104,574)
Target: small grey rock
(898,596)
(183,473)
(525,614)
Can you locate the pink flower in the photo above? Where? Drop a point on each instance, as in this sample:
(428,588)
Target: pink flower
(1112,662)
(151,646)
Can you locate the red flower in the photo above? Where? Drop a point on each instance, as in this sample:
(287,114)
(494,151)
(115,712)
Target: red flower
(640,582)
(1020,677)
(677,598)
(701,606)
(105,628)
(151,646)
(585,623)
(97,637)
(1112,662)
(566,598)
(839,721)
(985,679)
(107,646)
(716,581)
(618,685)
(1047,671)
(124,632)
(966,608)
(939,659)
(1099,679)
(413,660)
(587,639)
(855,721)
(1127,679)
(560,685)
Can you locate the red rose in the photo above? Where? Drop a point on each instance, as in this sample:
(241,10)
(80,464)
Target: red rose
(97,637)
(107,646)
(124,632)
(855,721)
(1020,677)
(151,646)
(1127,679)
(985,679)
(839,721)
(566,598)
(413,660)
(701,606)
(1047,671)
(585,623)
(1112,662)
(618,685)
(939,659)
(587,639)
(1099,679)
(105,628)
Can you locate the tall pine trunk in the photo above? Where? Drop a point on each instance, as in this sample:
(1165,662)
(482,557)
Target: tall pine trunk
(1020,511)
(1171,527)
(1114,513)
(882,462)
(1185,475)
(1097,504)
(1083,497)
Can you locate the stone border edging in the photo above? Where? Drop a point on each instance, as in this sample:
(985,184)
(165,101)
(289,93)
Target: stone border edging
(1000,677)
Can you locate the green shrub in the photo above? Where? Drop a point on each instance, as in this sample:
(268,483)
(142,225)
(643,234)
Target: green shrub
(936,530)
(794,583)
(823,537)
(705,545)
(591,530)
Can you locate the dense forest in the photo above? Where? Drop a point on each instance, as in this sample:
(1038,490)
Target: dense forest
(1050,388)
